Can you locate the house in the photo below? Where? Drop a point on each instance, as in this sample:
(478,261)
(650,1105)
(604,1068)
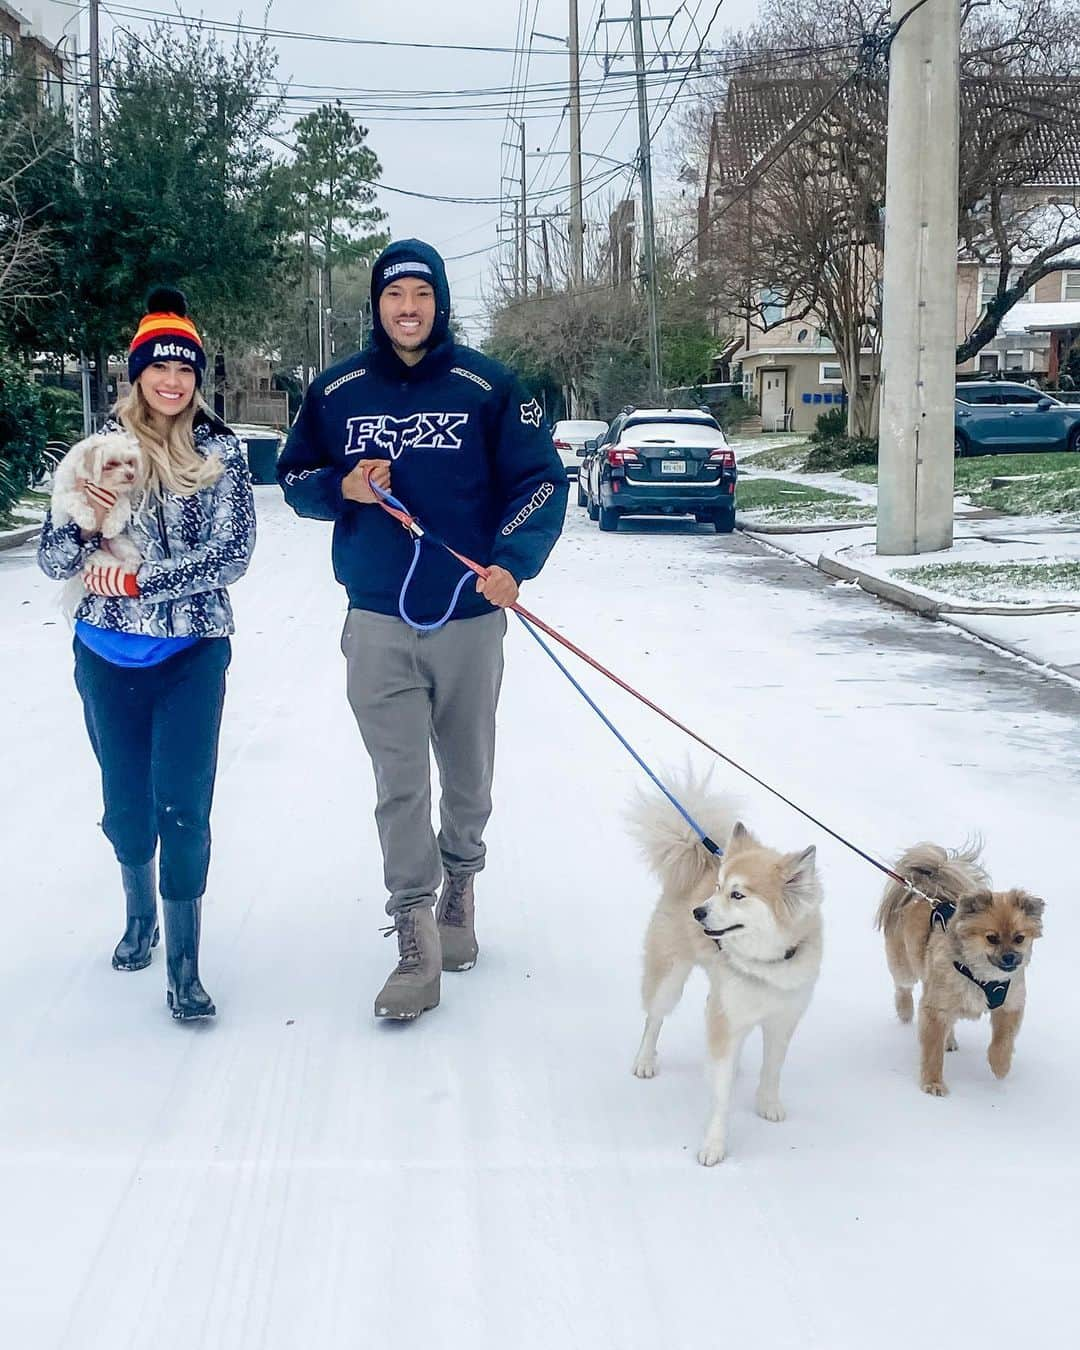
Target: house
(788,365)
(40,47)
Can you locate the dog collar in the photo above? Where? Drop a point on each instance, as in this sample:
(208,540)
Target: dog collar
(996,991)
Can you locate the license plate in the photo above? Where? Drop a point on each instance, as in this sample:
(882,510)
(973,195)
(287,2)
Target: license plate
(673,466)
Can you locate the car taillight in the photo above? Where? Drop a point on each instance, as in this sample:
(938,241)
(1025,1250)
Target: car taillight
(563,445)
(617,456)
(725,458)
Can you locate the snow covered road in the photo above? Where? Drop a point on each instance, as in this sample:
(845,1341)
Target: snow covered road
(493,1176)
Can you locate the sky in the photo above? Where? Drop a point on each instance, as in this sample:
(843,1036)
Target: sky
(464,158)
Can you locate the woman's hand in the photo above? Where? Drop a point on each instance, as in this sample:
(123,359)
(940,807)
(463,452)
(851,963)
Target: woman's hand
(110,581)
(100,500)
(498,587)
(356,486)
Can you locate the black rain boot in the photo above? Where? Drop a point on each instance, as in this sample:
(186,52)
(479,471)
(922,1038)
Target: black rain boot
(141,934)
(186,996)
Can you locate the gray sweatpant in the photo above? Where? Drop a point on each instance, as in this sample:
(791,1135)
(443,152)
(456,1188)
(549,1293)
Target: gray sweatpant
(412,693)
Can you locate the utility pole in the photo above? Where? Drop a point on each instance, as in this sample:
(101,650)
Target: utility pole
(101,356)
(577,231)
(307,295)
(918,363)
(647,218)
(524,216)
(77,155)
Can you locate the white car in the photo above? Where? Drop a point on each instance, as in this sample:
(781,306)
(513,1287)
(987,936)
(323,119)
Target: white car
(570,437)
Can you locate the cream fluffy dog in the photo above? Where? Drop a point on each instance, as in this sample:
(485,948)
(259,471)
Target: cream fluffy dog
(752,921)
(113,462)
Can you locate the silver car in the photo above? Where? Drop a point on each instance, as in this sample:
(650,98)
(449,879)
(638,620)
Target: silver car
(570,437)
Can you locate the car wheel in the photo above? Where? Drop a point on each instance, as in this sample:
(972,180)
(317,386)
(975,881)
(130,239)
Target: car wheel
(960,445)
(593,508)
(609,519)
(724,522)
(582,500)
(1074,441)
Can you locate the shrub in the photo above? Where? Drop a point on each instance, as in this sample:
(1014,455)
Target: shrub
(830,425)
(23,433)
(731,411)
(840,452)
(63,414)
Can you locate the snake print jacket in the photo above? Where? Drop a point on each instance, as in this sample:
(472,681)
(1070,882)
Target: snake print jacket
(192,548)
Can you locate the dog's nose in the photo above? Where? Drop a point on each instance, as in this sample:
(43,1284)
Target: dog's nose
(701,913)
(1009,960)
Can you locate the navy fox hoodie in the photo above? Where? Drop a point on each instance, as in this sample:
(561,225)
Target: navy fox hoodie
(469,455)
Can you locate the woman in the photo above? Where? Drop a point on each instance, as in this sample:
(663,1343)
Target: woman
(152,646)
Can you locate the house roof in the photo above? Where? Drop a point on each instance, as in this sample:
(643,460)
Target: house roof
(758,113)
(1041,316)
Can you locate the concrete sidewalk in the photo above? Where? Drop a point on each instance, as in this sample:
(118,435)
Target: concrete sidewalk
(1046,633)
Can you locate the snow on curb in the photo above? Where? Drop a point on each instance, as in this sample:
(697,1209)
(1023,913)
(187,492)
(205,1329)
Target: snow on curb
(23,535)
(885,577)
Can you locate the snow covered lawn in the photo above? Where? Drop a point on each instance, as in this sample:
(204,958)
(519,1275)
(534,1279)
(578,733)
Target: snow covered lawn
(493,1176)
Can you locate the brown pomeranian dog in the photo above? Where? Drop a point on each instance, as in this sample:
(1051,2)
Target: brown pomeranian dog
(970,948)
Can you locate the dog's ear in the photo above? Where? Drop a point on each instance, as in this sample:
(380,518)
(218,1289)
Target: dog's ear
(977,902)
(740,837)
(800,877)
(93,459)
(1030,905)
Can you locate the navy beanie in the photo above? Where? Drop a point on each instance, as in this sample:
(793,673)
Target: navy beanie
(165,333)
(411,258)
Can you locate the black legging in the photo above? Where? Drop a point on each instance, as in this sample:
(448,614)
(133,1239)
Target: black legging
(154,730)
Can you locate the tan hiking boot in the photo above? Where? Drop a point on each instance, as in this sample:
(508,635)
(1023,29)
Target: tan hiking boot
(413,987)
(456,918)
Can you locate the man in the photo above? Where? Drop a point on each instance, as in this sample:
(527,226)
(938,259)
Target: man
(454,437)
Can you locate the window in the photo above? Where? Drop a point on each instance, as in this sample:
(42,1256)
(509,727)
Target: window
(989,362)
(7,54)
(1011,393)
(829,373)
(772,307)
(1014,360)
(988,284)
(1070,286)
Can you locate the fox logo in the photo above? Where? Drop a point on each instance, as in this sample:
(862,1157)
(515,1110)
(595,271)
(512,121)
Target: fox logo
(392,436)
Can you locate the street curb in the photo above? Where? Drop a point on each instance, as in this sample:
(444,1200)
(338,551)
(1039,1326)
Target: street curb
(926,604)
(751,527)
(16,537)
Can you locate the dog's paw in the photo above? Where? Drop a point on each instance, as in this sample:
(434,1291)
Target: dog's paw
(770,1108)
(951,1044)
(1000,1062)
(935,1089)
(645,1066)
(711,1153)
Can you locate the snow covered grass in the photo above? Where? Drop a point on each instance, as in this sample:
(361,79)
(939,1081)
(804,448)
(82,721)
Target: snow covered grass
(778,500)
(771,452)
(29,510)
(1006,583)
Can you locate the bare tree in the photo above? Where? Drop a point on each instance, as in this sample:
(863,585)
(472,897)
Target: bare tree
(30,138)
(799,220)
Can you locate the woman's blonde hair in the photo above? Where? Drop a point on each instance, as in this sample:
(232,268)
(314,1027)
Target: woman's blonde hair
(172,462)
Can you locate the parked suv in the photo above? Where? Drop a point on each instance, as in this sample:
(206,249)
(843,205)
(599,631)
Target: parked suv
(996,416)
(661,461)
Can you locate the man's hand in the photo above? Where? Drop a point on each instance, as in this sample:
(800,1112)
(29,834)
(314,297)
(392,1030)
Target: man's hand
(498,587)
(356,486)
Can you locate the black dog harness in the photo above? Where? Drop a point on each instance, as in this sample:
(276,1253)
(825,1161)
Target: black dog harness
(994,991)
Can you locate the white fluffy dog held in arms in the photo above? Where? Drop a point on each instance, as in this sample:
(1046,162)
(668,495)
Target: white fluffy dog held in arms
(751,920)
(107,471)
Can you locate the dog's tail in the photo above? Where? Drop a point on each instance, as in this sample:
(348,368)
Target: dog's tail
(938,873)
(673,849)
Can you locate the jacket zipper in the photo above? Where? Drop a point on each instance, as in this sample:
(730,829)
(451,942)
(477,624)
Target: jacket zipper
(168,553)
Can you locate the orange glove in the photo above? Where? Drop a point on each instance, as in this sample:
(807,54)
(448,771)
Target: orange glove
(110,581)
